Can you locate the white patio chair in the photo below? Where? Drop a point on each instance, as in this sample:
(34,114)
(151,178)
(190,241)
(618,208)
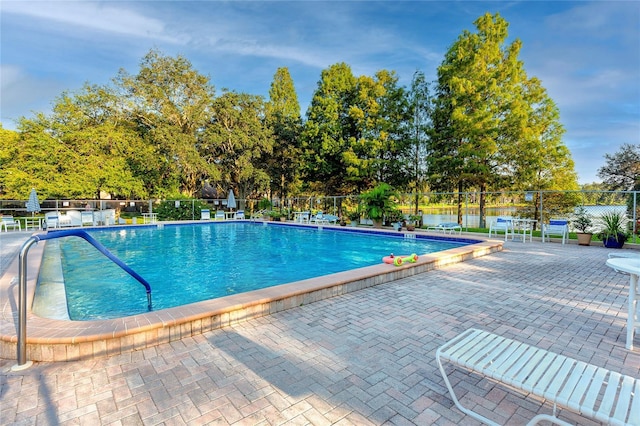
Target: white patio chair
(9,222)
(87,218)
(51,220)
(502,223)
(557,227)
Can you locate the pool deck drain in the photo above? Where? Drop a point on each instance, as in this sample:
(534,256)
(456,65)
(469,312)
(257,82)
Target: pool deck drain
(64,340)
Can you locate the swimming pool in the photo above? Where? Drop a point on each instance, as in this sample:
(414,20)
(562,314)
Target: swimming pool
(190,263)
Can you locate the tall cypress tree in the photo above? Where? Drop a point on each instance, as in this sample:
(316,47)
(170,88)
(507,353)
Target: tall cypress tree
(490,119)
(282,114)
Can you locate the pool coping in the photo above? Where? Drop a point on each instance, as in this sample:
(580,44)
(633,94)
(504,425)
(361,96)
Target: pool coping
(66,340)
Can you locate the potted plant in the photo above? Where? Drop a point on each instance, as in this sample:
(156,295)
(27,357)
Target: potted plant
(275,215)
(395,218)
(414,220)
(377,202)
(354,217)
(613,234)
(583,224)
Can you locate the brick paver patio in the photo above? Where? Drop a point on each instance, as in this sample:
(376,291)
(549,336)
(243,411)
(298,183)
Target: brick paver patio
(365,358)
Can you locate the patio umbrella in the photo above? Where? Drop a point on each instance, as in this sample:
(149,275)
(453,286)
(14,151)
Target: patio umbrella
(33,205)
(231,200)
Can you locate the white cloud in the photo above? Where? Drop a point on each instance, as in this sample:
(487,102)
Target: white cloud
(109,17)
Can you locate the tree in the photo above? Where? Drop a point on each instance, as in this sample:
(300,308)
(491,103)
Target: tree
(171,104)
(79,151)
(378,149)
(491,120)
(621,171)
(237,141)
(419,127)
(327,131)
(355,135)
(284,120)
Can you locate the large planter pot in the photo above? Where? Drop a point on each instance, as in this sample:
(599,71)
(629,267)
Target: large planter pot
(613,243)
(377,223)
(584,239)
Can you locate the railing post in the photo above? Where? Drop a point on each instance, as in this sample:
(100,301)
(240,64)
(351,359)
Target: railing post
(541,217)
(22,307)
(635,216)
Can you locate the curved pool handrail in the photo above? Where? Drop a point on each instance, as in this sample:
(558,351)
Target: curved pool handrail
(83,234)
(22,287)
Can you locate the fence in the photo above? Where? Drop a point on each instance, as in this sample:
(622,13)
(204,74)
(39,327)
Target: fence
(432,207)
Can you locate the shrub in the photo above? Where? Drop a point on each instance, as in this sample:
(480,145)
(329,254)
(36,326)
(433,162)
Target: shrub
(187,210)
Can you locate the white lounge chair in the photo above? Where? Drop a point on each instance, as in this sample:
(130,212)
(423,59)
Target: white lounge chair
(9,222)
(557,227)
(446,228)
(220,214)
(240,214)
(586,389)
(501,224)
(205,214)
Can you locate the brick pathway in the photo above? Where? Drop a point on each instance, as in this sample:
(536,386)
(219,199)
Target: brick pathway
(366,358)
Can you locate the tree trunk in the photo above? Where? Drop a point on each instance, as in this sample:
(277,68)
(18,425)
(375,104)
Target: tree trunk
(460,203)
(483,201)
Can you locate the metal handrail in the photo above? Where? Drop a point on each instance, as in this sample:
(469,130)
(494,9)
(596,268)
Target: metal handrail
(22,277)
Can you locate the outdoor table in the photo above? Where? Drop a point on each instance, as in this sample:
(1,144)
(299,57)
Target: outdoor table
(632,267)
(524,226)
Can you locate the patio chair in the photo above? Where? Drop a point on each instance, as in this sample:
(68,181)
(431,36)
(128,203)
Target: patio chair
(51,220)
(502,223)
(9,222)
(240,214)
(557,227)
(220,214)
(87,218)
(205,214)
(319,218)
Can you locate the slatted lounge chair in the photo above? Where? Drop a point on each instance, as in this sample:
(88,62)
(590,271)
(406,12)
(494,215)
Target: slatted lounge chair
(585,389)
(240,214)
(9,222)
(447,227)
(205,214)
(220,214)
(331,218)
(557,227)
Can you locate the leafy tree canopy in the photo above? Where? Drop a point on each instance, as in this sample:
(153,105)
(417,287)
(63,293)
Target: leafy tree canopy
(621,171)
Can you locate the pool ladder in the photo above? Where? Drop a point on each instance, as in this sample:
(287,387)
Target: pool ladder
(22,277)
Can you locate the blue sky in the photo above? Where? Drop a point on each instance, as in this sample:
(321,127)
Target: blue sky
(587,54)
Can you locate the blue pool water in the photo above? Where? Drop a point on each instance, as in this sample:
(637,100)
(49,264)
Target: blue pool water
(191,263)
